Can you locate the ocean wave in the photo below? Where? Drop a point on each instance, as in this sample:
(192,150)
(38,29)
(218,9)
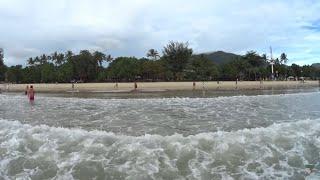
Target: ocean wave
(44,152)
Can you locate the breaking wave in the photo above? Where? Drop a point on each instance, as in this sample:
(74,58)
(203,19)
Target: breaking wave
(42,152)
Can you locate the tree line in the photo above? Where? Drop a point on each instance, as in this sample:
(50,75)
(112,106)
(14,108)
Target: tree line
(177,63)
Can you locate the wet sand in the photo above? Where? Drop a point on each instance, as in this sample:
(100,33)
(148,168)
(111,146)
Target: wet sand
(159,86)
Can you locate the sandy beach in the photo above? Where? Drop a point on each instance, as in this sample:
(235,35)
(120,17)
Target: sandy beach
(158,86)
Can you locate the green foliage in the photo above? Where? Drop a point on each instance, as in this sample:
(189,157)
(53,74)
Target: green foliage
(283,58)
(3,70)
(65,72)
(47,73)
(124,69)
(14,74)
(236,69)
(177,63)
(153,53)
(295,70)
(3,67)
(177,56)
(152,70)
(254,59)
(201,68)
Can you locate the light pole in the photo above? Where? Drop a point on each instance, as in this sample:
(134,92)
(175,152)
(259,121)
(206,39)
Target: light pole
(271,62)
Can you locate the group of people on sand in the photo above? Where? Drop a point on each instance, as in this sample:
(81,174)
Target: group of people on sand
(30,92)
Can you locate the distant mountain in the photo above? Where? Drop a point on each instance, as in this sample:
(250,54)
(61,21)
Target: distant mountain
(316,65)
(221,57)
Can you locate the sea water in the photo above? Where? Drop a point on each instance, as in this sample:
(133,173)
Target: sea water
(229,137)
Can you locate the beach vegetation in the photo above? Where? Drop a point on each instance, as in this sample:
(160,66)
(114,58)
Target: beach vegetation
(176,63)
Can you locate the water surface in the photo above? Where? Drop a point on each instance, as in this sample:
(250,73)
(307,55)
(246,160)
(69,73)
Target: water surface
(266,134)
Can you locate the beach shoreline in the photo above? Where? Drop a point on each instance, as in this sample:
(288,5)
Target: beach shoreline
(158,86)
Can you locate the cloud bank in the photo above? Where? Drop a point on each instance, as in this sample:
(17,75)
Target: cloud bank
(131,27)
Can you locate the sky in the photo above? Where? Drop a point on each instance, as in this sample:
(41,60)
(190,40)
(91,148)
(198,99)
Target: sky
(132,27)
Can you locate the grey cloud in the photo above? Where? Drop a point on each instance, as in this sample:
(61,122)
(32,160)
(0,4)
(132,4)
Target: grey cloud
(130,28)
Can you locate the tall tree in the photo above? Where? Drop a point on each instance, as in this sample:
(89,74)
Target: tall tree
(99,57)
(30,61)
(1,57)
(177,56)
(43,59)
(153,53)
(109,58)
(254,59)
(124,68)
(2,66)
(283,58)
(201,68)
(68,55)
(14,74)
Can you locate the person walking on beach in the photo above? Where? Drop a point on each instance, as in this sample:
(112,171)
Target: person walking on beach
(27,90)
(31,94)
(194,85)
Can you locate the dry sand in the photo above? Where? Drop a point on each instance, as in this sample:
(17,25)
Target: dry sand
(158,86)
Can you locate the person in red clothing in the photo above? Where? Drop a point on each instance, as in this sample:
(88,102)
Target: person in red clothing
(31,93)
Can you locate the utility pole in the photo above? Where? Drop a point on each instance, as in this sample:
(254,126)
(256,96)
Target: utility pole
(271,63)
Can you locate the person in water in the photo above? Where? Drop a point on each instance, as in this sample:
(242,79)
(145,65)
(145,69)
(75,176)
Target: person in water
(31,93)
(27,90)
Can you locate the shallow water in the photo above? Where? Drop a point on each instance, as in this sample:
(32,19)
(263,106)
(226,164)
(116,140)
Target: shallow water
(245,136)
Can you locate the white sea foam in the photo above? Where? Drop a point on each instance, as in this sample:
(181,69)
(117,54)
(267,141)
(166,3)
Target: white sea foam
(39,152)
(239,137)
(164,116)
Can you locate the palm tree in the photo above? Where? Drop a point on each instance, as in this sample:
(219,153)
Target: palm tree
(68,55)
(109,58)
(283,58)
(43,59)
(36,60)
(153,53)
(31,61)
(99,57)
(60,59)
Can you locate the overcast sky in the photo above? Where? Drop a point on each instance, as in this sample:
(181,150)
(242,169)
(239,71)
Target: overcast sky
(131,27)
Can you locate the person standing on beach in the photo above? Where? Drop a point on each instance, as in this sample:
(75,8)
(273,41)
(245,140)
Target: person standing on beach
(135,85)
(194,85)
(31,94)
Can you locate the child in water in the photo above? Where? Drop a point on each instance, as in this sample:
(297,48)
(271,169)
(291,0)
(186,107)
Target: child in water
(31,93)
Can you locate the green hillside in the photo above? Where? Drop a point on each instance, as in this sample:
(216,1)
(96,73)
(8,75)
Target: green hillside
(221,57)
(317,65)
